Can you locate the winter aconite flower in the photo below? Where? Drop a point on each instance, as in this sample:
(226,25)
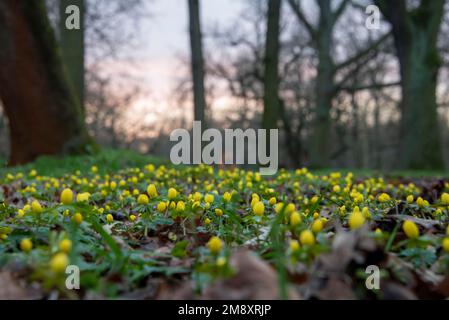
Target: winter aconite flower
(215,245)
(227,196)
(445,199)
(307,238)
(161,207)
(65,245)
(36,207)
(410,229)
(356,220)
(410,199)
(294,245)
(172,193)
(109,218)
(384,197)
(59,262)
(26,245)
(152,191)
(143,199)
(259,208)
(317,226)
(67,196)
(78,218)
(445,244)
(180,206)
(209,198)
(295,219)
(218,212)
(83,197)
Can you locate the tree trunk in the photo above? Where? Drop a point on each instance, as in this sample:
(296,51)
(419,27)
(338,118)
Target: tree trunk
(72,47)
(324,90)
(271,76)
(415,35)
(197,63)
(421,146)
(44,116)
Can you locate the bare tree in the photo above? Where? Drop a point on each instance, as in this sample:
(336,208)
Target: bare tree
(197,64)
(271,63)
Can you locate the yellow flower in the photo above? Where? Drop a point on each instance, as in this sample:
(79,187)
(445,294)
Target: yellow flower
(420,202)
(78,218)
(59,262)
(143,199)
(20,213)
(378,232)
(290,208)
(82,197)
(132,218)
(411,229)
(209,198)
(215,244)
(218,212)
(272,201)
(356,220)
(294,245)
(445,244)
(109,218)
(113,185)
(65,245)
(94,169)
(207,221)
(295,219)
(172,193)
(366,213)
(161,207)
(307,238)
(317,226)
(259,208)
(221,261)
(445,199)
(36,207)
(152,191)
(67,196)
(26,245)
(314,199)
(384,197)
(410,199)
(197,196)
(336,189)
(227,196)
(316,215)
(180,206)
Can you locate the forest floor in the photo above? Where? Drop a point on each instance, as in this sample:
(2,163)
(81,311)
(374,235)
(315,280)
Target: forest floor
(139,228)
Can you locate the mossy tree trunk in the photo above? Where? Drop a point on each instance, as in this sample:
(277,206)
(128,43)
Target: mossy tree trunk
(72,47)
(44,116)
(415,34)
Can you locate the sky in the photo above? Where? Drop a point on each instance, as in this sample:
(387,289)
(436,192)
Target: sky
(164,37)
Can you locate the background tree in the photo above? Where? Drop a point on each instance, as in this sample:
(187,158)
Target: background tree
(72,46)
(415,31)
(271,62)
(44,115)
(197,64)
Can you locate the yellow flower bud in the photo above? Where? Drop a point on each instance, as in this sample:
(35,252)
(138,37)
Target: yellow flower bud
(65,245)
(259,208)
(67,196)
(215,245)
(59,262)
(307,238)
(143,199)
(26,245)
(410,229)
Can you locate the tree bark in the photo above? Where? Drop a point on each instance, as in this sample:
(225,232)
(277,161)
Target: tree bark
(415,35)
(324,90)
(197,62)
(44,115)
(271,75)
(72,47)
